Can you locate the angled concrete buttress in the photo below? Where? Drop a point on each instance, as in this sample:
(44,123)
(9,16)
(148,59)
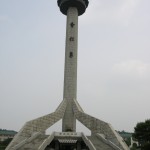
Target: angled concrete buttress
(103,136)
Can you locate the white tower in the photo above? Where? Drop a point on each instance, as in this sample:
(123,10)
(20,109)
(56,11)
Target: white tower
(32,135)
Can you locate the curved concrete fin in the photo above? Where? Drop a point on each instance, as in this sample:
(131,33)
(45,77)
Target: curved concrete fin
(38,125)
(99,126)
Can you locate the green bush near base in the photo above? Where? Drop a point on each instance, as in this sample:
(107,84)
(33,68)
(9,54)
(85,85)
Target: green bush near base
(4,144)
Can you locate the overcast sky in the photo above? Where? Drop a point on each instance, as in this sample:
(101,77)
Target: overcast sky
(113,61)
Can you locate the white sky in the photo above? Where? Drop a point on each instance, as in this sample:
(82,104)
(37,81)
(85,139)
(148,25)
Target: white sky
(113,61)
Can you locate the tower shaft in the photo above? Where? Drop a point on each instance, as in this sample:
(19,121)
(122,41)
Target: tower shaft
(70,72)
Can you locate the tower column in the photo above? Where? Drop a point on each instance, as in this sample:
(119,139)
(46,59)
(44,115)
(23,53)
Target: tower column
(70,75)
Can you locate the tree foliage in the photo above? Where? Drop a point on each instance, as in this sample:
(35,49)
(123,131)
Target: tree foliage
(142,134)
(4,144)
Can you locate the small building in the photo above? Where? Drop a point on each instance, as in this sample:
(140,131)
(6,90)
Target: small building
(127,136)
(5,134)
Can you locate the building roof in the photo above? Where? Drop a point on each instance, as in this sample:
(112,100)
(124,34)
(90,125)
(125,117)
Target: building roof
(7,132)
(125,134)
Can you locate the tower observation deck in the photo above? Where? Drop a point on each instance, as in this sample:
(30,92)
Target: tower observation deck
(32,135)
(81,5)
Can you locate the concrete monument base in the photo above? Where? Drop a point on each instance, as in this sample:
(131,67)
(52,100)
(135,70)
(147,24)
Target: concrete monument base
(32,135)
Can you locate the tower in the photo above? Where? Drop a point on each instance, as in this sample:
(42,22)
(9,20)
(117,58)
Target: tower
(103,136)
(72,9)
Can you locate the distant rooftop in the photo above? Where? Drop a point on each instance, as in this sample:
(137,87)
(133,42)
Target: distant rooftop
(7,132)
(125,134)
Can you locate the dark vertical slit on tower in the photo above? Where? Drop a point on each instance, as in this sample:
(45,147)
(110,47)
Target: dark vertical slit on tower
(71,38)
(71,54)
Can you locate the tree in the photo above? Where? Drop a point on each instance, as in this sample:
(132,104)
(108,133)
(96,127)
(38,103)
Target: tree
(142,134)
(4,144)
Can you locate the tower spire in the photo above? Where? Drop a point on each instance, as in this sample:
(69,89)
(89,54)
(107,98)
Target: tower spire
(72,9)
